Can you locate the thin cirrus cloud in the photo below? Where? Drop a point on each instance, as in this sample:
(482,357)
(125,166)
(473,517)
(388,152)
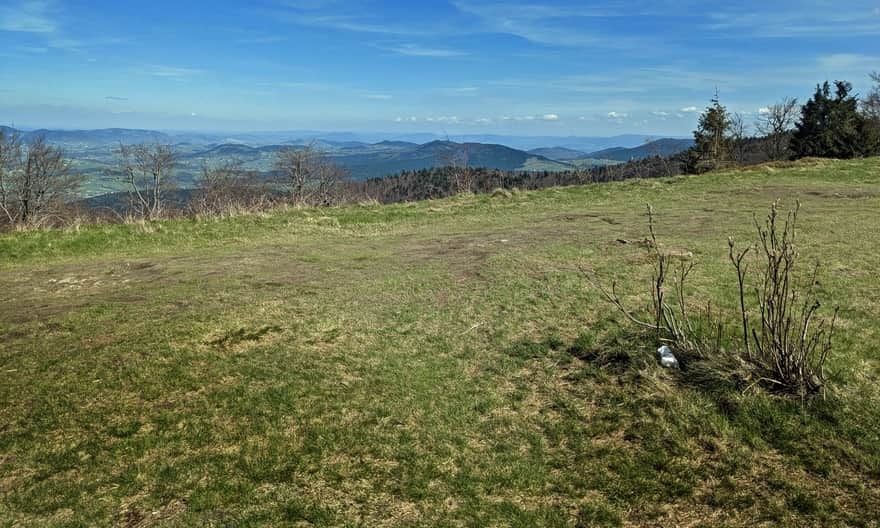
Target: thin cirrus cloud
(42,19)
(416,50)
(344,22)
(813,18)
(848,61)
(522,65)
(171,72)
(28,16)
(477,121)
(550,25)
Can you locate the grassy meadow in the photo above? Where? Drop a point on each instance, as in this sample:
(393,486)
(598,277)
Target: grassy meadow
(441,363)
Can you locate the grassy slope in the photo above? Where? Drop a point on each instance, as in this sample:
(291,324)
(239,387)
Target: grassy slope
(405,365)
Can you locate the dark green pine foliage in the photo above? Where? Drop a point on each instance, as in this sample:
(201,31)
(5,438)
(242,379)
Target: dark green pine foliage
(712,139)
(832,126)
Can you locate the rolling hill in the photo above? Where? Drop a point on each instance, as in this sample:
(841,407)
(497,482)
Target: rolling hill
(558,153)
(660,147)
(101,137)
(383,158)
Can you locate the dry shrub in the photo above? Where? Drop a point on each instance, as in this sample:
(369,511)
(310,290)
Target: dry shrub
(784,339)
(229,190)
(783,333)
(671,317)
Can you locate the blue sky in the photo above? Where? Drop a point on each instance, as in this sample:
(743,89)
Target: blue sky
(459,66)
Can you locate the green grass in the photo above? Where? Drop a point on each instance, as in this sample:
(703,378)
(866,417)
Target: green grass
(441,363)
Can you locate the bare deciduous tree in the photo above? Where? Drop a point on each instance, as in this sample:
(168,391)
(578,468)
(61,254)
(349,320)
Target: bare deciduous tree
(147,170)
(871,104)
(10,162)
(655,151)
(227,189)
(871,111)
(329,178)
(309,176)
(34,180)
(457,158)
(738,135)
(775,123)
(297,168)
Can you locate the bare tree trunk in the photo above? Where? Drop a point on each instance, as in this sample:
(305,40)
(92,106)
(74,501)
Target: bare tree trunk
(147,171)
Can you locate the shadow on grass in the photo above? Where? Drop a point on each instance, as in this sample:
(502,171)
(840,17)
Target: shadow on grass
(243,335)
(653,424)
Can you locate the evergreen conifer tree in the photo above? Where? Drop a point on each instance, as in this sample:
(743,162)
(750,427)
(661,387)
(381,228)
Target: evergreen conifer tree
(832,126)
(712,139)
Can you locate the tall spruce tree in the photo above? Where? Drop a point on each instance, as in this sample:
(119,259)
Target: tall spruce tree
(713,140)
(832,126)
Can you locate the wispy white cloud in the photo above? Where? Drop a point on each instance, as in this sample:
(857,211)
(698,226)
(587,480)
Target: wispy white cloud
(116,98)
(482,120)
(812,18)
(32,49)
(28,16)
(547,24)
(299,85)
(309,4)
(262,39)
(847,62)
(618,118)
(378,97)
(345,22)
(442,119)
(171,72)
(416,50)
(688,109)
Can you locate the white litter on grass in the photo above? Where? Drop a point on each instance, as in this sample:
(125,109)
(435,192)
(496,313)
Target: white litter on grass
(667,359)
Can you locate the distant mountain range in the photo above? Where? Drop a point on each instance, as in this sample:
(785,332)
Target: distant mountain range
(585,144)
(93,151)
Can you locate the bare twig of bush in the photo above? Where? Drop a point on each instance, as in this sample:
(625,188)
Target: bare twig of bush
(671,321)
(229,189)
(783,335)
(791,342)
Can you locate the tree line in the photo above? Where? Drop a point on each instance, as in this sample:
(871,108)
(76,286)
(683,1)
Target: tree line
(37,180)
(833,123)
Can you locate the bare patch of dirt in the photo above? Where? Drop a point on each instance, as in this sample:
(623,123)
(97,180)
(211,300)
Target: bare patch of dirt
(463,254)
(844,195)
